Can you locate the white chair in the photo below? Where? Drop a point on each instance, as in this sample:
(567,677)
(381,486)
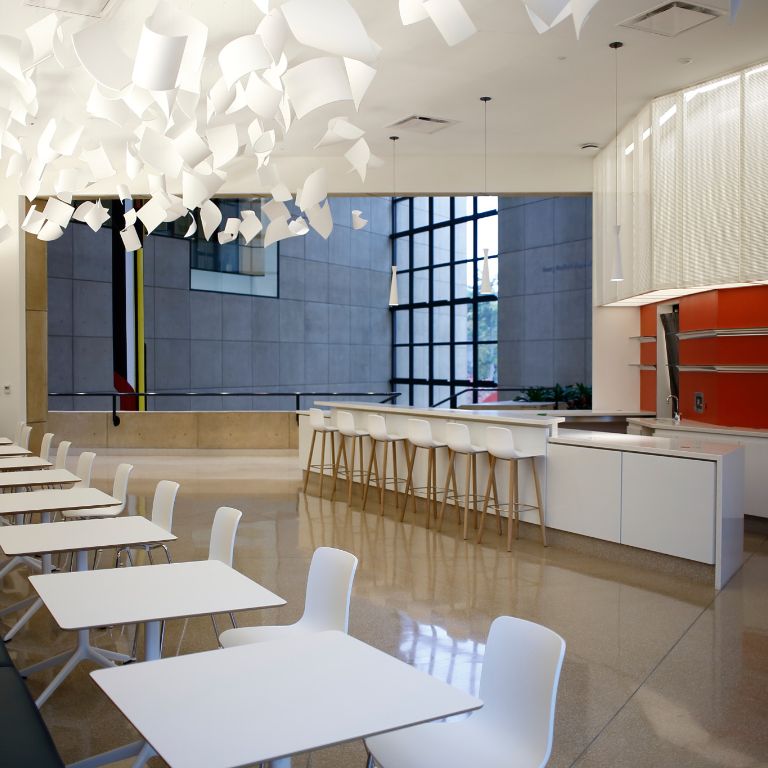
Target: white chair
(119,491)
(329,588)
(84,469)
(317,422)
(62,452)
(162,516)
(459,443)
(518,686)
(23,440)
(222,546)
(500,444)
(420,436)
(345,421)
(45,446)
(377,429)
(19,430)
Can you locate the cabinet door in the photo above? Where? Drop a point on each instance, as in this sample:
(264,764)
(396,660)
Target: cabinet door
(584,491)
(668,505)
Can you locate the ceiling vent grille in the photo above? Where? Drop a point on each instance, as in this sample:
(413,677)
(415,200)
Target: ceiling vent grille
(422,124)
(95,8)
(672,19)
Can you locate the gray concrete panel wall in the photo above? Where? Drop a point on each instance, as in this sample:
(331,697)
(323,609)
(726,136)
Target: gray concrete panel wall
(545,284)
(328,330)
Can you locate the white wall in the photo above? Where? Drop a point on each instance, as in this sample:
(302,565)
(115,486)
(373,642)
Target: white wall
(615,382)
(13,335)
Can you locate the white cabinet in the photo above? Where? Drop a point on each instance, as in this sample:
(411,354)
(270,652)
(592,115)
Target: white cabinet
(584,491)
(668,505)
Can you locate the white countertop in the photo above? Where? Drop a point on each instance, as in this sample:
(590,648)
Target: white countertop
(527,418)
(683,447)
(686,425)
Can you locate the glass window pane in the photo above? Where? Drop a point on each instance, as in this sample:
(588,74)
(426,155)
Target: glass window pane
(441,283)
(402,366)
(421,396)
(402,215)
(420,212)
(464,245)
(421,362)
(439,394)
(487,362)
(465,399)
(420,326)
(420,286)
(488,235)
(403,291)
(441,245)
(402,326)
(462,314)
(493,274)
(441,324)
(441,209)
(462,369)
(487,320)
(402,252)
(441,362)
(421,249)
(487,203)
(463,206)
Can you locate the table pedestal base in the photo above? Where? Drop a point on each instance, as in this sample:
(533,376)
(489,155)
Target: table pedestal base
(83,652)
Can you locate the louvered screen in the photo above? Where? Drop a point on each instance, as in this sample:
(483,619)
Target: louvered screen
(641,199)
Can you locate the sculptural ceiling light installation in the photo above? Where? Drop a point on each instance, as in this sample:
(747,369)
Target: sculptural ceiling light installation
(188,115)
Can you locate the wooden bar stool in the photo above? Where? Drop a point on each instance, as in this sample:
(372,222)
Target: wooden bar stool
(377,431)
(459,443)
(345,421)
(420,436)
(317,422)
(500,445)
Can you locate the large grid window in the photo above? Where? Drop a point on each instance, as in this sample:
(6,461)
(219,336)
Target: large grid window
(444,329)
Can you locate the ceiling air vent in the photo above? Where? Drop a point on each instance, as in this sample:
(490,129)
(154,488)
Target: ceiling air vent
(95,8)
(672,19)
(421,124)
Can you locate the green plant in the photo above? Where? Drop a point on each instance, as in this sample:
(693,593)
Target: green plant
(578,397)
(538,394)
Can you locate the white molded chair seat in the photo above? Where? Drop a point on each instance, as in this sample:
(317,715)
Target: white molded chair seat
(326,607)
(458,439)
(345,423)
(500,443)
(119,491)
(318,423)
(420,434)
(84,468)
(377,428)
(45,446)
(514,728)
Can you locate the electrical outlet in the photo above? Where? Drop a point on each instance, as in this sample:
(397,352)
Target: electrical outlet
(698,402)
(6,389)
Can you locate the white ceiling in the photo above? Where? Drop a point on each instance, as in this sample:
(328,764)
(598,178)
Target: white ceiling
(550,92)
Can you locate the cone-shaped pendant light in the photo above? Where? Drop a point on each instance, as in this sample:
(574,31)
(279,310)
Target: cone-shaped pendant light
(393,298)
(617,275)
(485,282)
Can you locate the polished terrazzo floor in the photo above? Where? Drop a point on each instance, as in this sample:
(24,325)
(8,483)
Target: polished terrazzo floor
(658,671)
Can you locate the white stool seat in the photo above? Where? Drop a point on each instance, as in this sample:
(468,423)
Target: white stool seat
(319,426)
(377,431)
(511,454)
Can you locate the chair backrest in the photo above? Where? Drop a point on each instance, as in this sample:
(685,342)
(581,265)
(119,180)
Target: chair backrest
(120,485)
(329,588)
(19,429)
(419,432)
(223,532)
(316,418)
(162,504)
(518,684)
(345,421)
(84,468)
(377,426)
(457,437)
(45,446)
(24,437)
(61,454)
(499,441)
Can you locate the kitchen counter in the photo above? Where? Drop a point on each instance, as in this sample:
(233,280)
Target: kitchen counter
(688,425)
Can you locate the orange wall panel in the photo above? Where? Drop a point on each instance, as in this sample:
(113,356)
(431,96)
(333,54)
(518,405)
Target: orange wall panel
(742,401)
(742,350)
(707,383)
(699,311)
(648,391)
(743,307)
(648,320)
(648,353)
(698,351)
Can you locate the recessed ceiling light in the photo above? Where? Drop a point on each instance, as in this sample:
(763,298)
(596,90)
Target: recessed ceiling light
(589,145)
(685,60)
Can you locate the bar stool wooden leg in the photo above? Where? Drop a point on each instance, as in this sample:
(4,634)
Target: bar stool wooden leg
(322,462)
(474,488)
(496,497)
(337,464)
(376,465)
(430,470)
(446,489)
(467,493)
(538,501)
(487,496)
(368,474)
(396,481)
(411,458)
(512,519)
(383,490)
(360,451)
(351,472)
(309,460)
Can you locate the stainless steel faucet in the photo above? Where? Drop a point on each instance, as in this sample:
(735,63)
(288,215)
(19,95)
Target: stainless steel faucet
(676,412)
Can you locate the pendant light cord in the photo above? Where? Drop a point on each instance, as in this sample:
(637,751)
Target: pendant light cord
(394,139)
(615,46)
(485,100)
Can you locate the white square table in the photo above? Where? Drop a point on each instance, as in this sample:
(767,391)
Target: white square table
(37,478)
(22,463)
(264,702)
(147,594)
(6,441)
(78,537)
(14,450)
